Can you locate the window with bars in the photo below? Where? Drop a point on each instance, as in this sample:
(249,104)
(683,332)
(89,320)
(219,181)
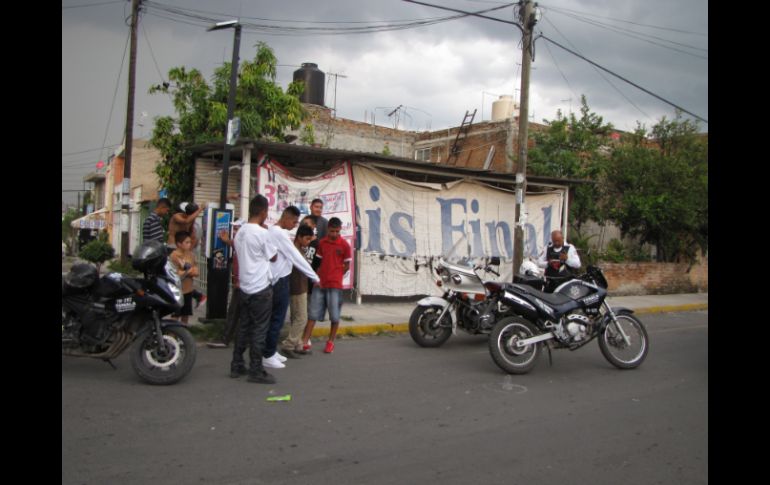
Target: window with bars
(422,154)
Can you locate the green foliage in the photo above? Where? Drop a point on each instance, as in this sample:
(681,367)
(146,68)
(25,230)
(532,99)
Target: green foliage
(307,135)
(98,251)
(264,109)
(658,190)
(118,267)
(386,150)
(66,228)
(574,148)
(616,252)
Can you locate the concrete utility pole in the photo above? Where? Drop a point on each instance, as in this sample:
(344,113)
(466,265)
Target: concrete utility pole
(128,143)
(527,24)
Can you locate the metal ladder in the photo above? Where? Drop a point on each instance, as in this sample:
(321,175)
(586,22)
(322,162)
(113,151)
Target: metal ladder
(463,131)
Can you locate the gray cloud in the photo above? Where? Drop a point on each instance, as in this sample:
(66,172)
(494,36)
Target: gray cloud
(441,69)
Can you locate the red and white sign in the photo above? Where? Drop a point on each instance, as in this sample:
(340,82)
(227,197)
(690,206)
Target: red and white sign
(334,187)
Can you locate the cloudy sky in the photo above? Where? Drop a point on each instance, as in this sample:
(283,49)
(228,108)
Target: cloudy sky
(436,72)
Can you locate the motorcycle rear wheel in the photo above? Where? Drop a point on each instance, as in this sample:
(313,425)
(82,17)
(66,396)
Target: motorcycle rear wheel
(502,345)
(424,327)
(615,349)
(169,369)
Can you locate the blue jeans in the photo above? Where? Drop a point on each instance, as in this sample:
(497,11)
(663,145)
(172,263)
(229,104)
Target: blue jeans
(255,319)
(323,299)
(278,315)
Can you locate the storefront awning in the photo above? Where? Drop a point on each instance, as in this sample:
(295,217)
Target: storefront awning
(94,220)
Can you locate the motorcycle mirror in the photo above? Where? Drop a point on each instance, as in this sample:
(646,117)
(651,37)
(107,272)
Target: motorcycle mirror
(495,261)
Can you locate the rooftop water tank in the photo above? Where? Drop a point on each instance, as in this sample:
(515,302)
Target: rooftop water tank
(504,108)
(314,80)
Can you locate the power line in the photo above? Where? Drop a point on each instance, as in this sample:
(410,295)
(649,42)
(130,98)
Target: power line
(117,85)
(623,79)
(89,150)
(628,21)
(629,33)
(91,4)
(598,72)
(202,18)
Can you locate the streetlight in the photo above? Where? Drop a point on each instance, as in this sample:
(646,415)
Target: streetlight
(218,279)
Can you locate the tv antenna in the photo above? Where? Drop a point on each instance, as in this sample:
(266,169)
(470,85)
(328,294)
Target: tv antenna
(336,75)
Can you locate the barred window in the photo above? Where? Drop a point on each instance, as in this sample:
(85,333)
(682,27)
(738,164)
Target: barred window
(422,154)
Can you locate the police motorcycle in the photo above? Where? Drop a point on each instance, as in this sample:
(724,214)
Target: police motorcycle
(466,303)
(570,317)
(102,317)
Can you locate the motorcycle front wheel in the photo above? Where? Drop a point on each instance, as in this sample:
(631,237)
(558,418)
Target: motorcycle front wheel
(163,368)
(502,345)
(425,329)
(615,349)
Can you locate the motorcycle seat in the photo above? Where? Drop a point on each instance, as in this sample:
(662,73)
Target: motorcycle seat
(554,299)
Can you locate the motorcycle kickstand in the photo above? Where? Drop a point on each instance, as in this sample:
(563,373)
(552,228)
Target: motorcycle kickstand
(550,359)
(111,364)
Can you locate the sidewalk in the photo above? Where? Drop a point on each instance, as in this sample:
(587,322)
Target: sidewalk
(382,314)
(373,317)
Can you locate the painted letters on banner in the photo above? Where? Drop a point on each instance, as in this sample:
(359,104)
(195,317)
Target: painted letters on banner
(405,225)
(334,187)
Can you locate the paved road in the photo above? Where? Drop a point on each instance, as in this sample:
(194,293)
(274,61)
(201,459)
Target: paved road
(382,410)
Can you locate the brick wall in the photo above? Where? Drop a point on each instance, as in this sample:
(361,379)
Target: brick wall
(655,278)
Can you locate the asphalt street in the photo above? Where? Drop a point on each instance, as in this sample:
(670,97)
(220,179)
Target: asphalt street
(382,410)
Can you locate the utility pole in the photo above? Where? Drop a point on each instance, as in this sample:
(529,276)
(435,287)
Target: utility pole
(218,278)
(527,23)
(128,143)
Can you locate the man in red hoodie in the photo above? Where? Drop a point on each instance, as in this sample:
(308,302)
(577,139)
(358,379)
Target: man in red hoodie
(335,255)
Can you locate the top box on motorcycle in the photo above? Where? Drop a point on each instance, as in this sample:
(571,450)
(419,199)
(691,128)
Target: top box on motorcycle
(150,257)
(82,275)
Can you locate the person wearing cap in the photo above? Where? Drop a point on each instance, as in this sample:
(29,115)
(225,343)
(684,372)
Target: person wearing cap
(233,308)
(181,221)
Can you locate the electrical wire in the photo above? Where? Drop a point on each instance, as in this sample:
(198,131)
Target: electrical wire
(203,18)
(631,34)
(117,85)
(628,21)
(624,79)
(91,4)
(89,150)
(595,69)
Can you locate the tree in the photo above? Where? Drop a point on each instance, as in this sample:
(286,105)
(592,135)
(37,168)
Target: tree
(264,109)
(98,251)
(66,224)
(574,148)
(658,188)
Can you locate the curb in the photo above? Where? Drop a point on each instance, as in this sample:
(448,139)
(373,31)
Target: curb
(358,330)
(378,328)
(690,307)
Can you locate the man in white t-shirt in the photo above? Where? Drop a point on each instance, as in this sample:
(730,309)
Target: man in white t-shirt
(288,257)
(255,250)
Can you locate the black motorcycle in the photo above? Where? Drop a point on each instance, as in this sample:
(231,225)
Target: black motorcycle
(570,317)
(102,317)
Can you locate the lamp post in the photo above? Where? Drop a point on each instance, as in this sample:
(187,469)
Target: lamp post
(218,278)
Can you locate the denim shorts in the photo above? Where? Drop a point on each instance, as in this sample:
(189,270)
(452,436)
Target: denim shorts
(323,299)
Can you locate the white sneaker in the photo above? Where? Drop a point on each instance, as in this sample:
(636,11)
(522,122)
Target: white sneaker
(273,363)
(280,357)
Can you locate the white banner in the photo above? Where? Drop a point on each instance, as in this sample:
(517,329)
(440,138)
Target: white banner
(334,187)
(405,225)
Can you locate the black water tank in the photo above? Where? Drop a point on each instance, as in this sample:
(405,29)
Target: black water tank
(314,80)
